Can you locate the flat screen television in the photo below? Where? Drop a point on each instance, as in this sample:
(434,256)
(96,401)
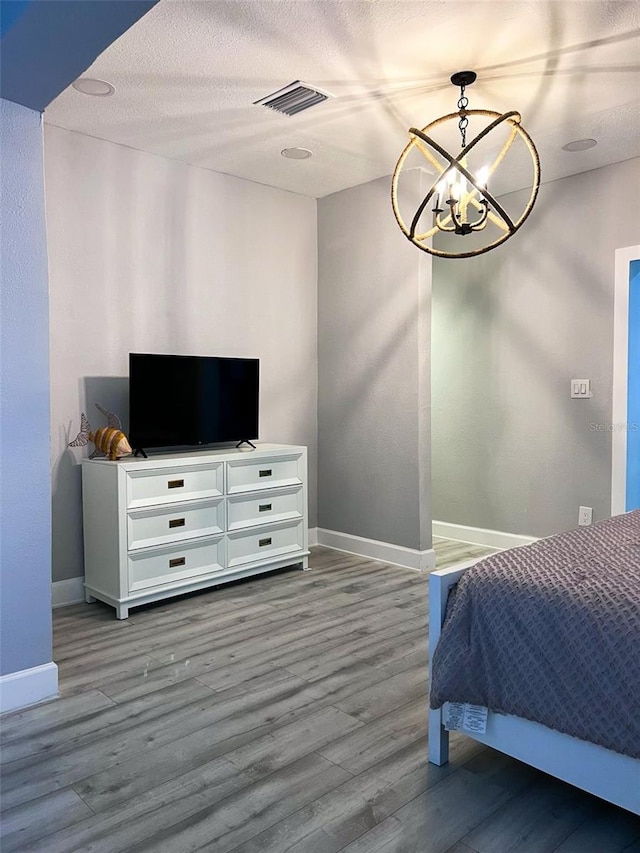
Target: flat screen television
(187,400)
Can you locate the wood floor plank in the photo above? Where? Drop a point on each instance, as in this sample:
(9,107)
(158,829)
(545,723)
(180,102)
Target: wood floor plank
(369,744)
(502,770)
(78,731)
(282,701)
(537,822)
(404,790)
(259,750)
(385,837)
(284,713)
(142,633)
(288,743)
(249,681)
(393,656)
(23,725)
(317,842)
(90,676)
(418,658)
(112,720)
(386,695)
(432,822)
(205,625)
(371,796)
(605,830)
(119,829)
(126,781)
(296,646)
(85,616)
(362,792)
(450,552)
(243,678)
(348,827)
(269,637)
(32,777)
(128,687)
(365,647)
(74,634)
(246,813)
(41,817)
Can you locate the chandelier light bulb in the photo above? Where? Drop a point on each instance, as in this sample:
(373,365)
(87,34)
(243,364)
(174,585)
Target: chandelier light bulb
(483,176)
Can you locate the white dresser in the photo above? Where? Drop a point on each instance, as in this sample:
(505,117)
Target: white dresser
(179,522)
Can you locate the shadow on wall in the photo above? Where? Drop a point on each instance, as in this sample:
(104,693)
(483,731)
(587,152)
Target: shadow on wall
(112,392)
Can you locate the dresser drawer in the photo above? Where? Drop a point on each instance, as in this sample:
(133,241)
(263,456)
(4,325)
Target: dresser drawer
(160,566)
(265,544)
(160,525)
(264,508)
(172,485)
(250,475)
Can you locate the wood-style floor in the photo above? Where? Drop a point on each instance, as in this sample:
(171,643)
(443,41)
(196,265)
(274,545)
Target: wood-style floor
(285,713)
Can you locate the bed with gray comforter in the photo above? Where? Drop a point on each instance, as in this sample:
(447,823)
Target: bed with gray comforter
(551,632)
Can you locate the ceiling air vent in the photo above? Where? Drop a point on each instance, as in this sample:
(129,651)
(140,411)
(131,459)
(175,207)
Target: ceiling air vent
(294,98)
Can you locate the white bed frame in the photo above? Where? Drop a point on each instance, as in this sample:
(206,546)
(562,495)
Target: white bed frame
(607,774)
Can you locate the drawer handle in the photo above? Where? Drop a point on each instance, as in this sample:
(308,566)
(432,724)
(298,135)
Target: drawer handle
(266,472)
(263,542)
(175,484)
(177,561)
(264,507)
(177,522)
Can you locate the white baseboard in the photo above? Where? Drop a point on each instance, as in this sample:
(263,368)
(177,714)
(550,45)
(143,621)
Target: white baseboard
(313,536)
(28,686)
(479,536)
(408,558)
(67,592)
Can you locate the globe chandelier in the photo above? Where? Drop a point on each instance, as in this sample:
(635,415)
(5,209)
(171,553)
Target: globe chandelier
(463,203)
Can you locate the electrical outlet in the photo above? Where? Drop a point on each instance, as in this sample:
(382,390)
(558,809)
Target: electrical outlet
(585,516)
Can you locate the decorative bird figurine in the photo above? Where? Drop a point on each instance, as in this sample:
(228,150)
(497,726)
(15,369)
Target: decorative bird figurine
(109,441)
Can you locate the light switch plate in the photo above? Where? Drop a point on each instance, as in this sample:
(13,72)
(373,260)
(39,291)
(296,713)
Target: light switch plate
(580,388)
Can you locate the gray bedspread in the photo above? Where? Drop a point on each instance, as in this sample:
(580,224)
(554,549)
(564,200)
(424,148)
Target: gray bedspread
(551,632)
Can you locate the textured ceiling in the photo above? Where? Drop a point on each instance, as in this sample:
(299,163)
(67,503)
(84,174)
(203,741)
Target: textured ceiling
(187,74)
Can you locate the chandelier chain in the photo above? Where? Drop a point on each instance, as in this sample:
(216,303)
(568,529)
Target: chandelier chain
(463,103)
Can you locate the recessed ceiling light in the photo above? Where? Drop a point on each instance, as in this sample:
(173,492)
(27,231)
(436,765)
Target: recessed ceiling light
(90,86)
(579,145)
(297,153)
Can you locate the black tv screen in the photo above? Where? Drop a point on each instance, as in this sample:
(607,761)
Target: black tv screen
(189,400)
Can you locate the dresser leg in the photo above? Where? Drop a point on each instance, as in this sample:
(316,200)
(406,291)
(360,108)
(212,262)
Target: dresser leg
(89,598)
(305,565)
(122,611)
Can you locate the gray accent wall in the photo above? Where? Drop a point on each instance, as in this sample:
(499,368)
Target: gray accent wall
(511,450)
(374,295)
(151,255)
(25,515)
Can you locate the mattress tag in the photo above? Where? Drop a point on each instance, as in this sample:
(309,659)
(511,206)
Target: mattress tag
(474,719)
(454,716)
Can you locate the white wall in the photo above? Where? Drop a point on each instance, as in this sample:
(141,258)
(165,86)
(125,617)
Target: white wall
(511,450)
(25,518)
(148,254)
(374,292)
